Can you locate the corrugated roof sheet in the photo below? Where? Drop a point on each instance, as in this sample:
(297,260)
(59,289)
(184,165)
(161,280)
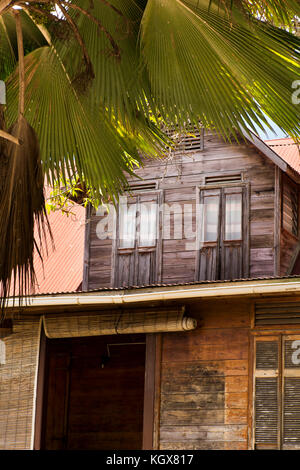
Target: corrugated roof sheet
(288,150)
(62,269)
(174,284)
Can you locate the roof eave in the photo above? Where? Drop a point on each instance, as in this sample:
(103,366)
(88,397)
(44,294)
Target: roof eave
(163,293)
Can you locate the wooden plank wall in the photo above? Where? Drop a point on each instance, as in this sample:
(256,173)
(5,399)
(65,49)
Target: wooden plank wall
(289,243)
(204,381)
(100,256)
(179,178)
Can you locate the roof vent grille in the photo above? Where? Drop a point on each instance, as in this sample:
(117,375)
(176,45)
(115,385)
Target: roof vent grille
(192,140)
(142,187)
(279,313)
(224,179)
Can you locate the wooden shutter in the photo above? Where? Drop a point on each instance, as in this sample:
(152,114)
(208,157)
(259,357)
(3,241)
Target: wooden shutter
(266,401)
(138,264)
(232,244)
(277,392)
(209,235)
(291,393)
(225,254)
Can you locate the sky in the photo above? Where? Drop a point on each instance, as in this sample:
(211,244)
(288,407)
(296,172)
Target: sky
(278,134)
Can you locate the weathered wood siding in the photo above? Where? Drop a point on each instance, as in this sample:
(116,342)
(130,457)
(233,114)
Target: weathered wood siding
(204,381)
(289,242)
(288,245)
(100,256)
(178,179)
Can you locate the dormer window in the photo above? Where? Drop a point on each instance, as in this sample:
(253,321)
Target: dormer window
(137,244)
(233,217)
(222,233)
(137,225)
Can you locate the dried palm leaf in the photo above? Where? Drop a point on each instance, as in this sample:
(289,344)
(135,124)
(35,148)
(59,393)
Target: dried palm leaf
(22,205)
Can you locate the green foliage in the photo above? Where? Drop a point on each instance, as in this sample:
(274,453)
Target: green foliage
(96,94)
(73,193)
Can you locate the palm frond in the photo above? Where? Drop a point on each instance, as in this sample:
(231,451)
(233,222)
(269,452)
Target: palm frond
(22,206)
(68,129)
(201,64)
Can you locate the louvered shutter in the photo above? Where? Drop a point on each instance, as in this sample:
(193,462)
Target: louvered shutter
(291,393)
(266,405)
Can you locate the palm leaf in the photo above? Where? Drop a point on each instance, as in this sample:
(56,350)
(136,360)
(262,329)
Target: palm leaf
(22,207)
(68,130)
(225,74)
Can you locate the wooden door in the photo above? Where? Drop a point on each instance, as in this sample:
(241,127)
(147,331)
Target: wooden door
(137,244)
(222,234)
(95,393)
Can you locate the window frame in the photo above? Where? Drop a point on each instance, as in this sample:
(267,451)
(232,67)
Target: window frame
(281,373)
(138,192)
(240,187)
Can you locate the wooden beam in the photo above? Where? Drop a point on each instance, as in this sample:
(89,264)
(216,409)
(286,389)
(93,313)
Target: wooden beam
(86,255)
(157,392)
(152,392)
(265,149)
(277,221)
(38,427)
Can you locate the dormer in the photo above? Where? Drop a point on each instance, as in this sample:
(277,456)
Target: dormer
(210,211)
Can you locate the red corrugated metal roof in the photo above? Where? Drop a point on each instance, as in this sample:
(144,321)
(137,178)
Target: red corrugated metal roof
(288,150)
(62,270)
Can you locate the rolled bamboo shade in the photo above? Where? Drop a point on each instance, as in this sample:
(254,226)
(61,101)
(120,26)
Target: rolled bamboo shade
(120,322)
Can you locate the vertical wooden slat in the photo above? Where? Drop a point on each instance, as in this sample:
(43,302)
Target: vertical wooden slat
(40,393)
(86,255)
(291,393)
(157,397)
(246,231)
(149,392)
(277,221)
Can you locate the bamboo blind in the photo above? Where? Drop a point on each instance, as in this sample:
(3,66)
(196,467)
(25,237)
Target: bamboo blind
(121,322)
(17,385)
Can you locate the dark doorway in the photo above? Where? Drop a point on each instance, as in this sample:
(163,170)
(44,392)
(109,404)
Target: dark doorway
(94,393)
